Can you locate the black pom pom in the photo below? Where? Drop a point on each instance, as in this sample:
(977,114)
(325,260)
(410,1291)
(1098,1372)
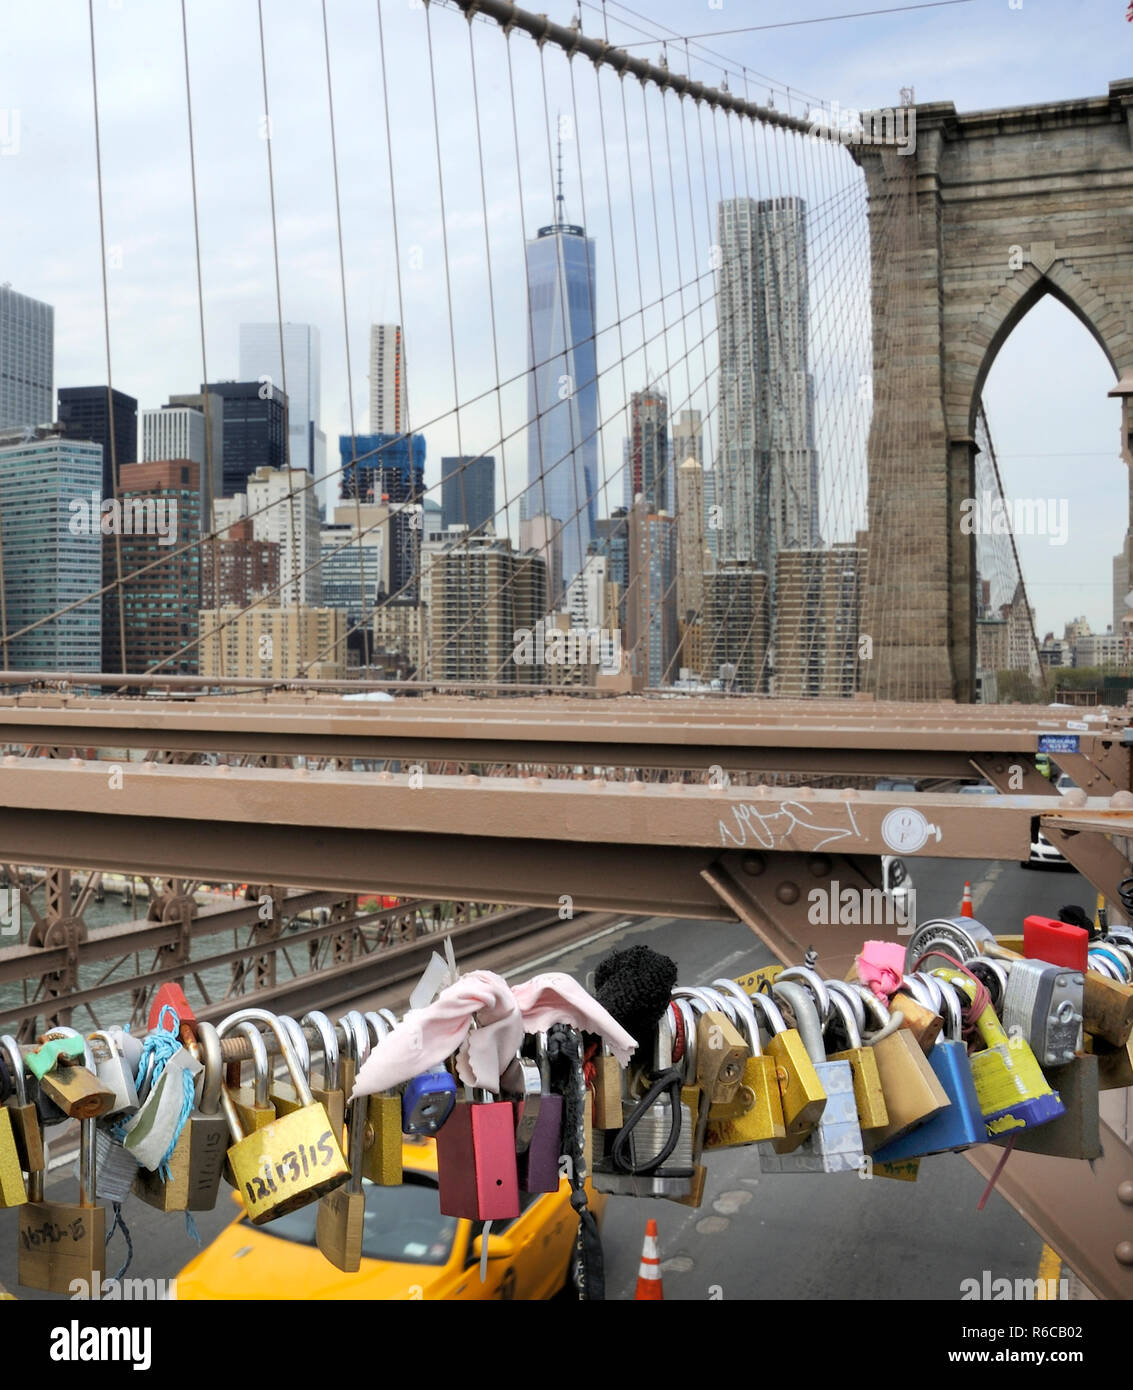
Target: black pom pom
(635,985)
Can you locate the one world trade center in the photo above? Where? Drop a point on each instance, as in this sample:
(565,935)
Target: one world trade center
(562,391)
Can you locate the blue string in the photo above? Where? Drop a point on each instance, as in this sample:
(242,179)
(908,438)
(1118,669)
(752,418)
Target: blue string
(188,1097)
(191,1229)
(119,1224)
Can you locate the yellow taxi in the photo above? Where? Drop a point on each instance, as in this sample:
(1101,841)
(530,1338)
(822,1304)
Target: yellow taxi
(409,1250)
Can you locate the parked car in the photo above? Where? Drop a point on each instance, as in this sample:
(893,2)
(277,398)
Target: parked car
(1043,853)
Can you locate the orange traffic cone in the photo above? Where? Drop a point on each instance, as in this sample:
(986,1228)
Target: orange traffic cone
(966,904)
(649,1275)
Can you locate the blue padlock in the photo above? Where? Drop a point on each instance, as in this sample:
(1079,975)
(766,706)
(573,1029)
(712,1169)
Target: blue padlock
(961,1123)
(427,1102)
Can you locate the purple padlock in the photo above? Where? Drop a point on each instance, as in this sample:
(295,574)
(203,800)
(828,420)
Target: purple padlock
(538,1166)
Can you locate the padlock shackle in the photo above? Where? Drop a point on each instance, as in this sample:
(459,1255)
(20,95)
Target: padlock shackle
(208,1050)
(952,1012)
(852,998)
(16,1057)
(261,1067)
(356,1036)
(318,1021)
(918,987)
(987,1025)
(298,1080)
(802,1005)
(379,1028)
(299,1042)
(841,1006)
(814,982)
(743,1011)
(389,1016)
(773,1019)
(88,1165)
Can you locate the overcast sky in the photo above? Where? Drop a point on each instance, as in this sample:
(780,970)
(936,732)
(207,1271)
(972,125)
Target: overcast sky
(1056,433)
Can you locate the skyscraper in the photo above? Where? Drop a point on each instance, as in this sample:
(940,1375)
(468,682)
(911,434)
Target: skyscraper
(27,359)
(648,461)
(818,596)
(52,551)
(651,599)
(767,464)
(161,601)
(302,382)
(389,396)
(172,432)
(386,468)
(692,552)
(84,413)
(468,491)
(562,389)
(735,626)
(254,435)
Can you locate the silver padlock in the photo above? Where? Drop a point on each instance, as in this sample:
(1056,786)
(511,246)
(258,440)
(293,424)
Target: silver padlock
(651,1155)
(113,1072)
(115,1167)
(835,1145)
(1043,1004)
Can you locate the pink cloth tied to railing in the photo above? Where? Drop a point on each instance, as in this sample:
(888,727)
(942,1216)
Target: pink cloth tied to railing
(881,966)
(426,1037)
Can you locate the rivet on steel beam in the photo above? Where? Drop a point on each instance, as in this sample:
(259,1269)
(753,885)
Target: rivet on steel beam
(1121,801)
(820,866)
(787,893)
(223,769)
(301,771)
(850,793)
(763,790)
(636,785)
(471,780)
(598,782)
(76,762)
(1123,1252)
(805,792)
(1125,1192)
(385,777)
(10,760)
(538,781)
(753,864)
(1075,797)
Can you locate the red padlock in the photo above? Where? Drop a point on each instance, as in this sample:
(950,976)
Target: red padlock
(476,1161)
(1058,943)
(172,996)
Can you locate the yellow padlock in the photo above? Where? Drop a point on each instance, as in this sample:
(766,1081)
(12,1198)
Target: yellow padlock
(756,1112)
(801,1092)
(869,1096)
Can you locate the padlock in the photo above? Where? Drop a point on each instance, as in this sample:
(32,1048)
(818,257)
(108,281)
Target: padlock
(608,1086)
(427,1101)
(756,1112)
(650,1155)
(477,1176)
(960,1124)
(381,1154)
(113,1073)
(521,1083)
(353,1048)
(281,1093)
(294,1160)
(25,1119)
(1077,1134)
(912,1092)
(329,1094)
(1044,1004)
(13,1188)
(1012,1090)
(538,1166)
(194,1168)
(716,1032)
(835,1143)
(65,1080)
(253,1103)
(116,1167)
(869,1096)
(800,1090)
(922,1022)
(340,1218)
(60,1242)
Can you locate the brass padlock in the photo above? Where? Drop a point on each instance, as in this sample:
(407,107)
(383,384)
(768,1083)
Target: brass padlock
(756,1112)
(912,1092)
(608,1086)
(67,1082)
(340,1220)
(329,1094)
(61,1242)
(381,1148)
(13,1189)
(291,1162)
(197,1161)
(25,1120)
(869,1095)
(919,1020)
(800,1090)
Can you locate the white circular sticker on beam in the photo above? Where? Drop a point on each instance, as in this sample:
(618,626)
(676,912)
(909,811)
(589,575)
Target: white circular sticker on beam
(905,830)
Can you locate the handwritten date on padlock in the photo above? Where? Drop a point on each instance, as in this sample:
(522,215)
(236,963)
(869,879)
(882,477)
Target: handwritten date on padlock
(297,1164)
(52,1233)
